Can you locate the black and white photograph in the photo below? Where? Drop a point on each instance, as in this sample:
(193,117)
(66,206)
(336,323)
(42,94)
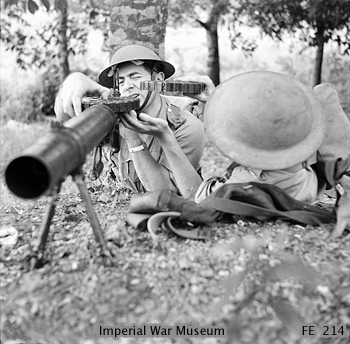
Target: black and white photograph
(175,172)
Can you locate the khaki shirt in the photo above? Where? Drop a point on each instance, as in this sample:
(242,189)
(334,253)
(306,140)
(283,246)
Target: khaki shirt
(301,185)
(189,133)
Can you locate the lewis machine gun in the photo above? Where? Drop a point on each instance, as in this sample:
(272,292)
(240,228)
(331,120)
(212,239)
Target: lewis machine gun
(40,169)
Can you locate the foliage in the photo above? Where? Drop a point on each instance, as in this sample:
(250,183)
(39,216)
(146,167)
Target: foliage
(16,136)
(27,97)
(214,12)
(335,75)
(50,85)
(314,22)
(183,12)
(21,101)
(33,30)
(303,18)
(37,41)
(336,71)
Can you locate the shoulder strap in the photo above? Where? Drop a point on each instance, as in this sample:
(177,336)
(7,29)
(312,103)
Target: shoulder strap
(230,169)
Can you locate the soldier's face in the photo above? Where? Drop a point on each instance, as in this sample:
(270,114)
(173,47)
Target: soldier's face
(130,77)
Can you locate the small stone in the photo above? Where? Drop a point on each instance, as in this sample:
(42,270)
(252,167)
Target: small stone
(135,281)
(207,273)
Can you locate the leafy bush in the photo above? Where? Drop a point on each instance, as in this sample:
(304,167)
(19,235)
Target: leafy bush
(27,96)
(338,73)
(19,99)
(335,71)
(50,83)
(16,136)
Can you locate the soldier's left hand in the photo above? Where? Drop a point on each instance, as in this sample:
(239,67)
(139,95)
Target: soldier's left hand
(144,124)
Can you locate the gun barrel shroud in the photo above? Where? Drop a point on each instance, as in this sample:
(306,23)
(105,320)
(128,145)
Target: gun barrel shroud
(56,155)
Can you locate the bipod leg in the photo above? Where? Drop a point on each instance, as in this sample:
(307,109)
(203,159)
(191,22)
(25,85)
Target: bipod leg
(95,224)
(38,251)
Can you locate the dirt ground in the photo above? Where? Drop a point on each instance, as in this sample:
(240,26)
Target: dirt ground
(262,281)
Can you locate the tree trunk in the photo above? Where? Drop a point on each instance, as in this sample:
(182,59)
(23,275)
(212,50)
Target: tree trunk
(63,56)
(211,27)
(213,63)
(139,22)
(319,57)
(213,52)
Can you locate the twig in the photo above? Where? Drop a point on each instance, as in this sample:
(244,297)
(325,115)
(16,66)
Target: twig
(247,300)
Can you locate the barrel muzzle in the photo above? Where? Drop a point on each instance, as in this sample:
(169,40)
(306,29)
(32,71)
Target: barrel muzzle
(59,153)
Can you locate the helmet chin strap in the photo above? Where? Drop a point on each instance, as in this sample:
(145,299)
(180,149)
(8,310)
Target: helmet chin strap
(149,93)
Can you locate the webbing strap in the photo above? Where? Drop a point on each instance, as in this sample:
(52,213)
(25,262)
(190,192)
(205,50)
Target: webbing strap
(240,208)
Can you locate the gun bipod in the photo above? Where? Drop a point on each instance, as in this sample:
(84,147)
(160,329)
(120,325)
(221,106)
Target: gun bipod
(37,255)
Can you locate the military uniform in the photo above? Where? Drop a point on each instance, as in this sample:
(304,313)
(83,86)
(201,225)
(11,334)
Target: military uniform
(189,133)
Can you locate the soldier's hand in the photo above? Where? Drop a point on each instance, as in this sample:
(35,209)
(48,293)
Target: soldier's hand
(68,100)
(131,137)
(144,124)
(210,87)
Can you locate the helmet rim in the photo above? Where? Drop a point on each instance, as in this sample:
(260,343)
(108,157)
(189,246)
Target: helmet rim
(134,52)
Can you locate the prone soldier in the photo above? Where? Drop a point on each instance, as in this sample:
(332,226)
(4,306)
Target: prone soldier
(161,145)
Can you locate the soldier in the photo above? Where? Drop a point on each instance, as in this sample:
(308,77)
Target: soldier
(161,145)
(277,131)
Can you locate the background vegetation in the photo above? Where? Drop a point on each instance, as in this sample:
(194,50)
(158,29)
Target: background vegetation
(305,39)
(28,95)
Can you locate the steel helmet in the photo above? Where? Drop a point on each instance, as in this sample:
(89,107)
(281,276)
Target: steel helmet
(265,120)
(134,52)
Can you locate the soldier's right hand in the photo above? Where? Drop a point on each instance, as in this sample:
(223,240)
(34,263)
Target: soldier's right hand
(68,100)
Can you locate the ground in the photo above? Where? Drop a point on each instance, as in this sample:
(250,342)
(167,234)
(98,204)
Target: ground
(261,280)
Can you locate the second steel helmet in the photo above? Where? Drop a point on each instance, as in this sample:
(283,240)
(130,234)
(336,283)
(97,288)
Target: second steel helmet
(265,120)
(131,53)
